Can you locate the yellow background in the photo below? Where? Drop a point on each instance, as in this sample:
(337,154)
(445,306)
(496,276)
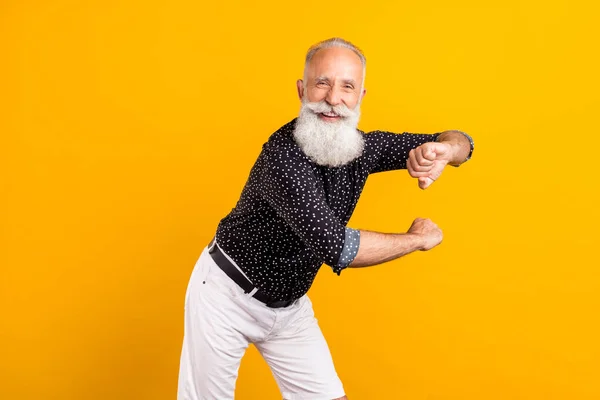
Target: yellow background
(128,129)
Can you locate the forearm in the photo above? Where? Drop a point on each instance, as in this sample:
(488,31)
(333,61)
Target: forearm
(461,147)
(376,248)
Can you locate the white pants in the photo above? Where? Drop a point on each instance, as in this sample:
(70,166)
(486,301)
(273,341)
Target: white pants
(221,321)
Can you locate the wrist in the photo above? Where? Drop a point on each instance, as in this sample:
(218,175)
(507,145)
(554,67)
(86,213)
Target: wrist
(458,153)
(461,146)
(416,241)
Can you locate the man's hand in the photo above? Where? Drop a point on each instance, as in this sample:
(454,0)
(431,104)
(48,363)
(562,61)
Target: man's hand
(428,233)
(427,162)
(376,247)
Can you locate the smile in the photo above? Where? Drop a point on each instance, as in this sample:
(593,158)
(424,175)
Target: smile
(329,116)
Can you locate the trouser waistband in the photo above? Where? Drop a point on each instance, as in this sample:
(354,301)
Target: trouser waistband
(236,275)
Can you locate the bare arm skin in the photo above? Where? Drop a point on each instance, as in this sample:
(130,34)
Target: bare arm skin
(425,163)
(376,248)
(459,144)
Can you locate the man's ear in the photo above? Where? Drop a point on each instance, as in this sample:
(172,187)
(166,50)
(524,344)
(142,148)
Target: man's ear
(363,94)
(300,86)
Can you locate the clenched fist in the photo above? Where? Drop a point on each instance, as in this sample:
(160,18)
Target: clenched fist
(427,162)
(428,233)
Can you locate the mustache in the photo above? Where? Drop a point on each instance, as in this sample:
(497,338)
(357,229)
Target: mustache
(321,107)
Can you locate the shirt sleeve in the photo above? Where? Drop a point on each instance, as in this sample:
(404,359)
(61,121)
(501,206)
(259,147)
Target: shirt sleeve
(290,187)
(389,151)
(351,244)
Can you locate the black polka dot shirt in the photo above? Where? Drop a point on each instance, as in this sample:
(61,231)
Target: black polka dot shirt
(292,214)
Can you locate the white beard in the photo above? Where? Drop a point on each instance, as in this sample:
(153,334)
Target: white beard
(331,144)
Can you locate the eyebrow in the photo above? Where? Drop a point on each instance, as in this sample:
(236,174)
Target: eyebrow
(325,79)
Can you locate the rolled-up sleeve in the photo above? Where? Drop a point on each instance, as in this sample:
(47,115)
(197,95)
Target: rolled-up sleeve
(349,251)
(290,187)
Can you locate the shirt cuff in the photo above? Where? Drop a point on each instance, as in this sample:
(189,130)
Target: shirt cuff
(351,243)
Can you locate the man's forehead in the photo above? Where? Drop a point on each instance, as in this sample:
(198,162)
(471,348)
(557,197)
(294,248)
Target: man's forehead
(335,61)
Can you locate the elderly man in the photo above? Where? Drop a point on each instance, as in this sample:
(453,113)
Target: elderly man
(249,284)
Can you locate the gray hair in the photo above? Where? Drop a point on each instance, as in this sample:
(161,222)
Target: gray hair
(335,42)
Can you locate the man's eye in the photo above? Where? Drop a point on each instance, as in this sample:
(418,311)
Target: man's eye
(349,87)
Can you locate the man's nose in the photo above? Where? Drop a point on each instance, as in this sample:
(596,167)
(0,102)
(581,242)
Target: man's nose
(333,96)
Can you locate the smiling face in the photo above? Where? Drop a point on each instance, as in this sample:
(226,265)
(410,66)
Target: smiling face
(334,75)
(326,128)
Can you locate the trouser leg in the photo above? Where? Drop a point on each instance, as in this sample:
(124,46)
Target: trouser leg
(213,345)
